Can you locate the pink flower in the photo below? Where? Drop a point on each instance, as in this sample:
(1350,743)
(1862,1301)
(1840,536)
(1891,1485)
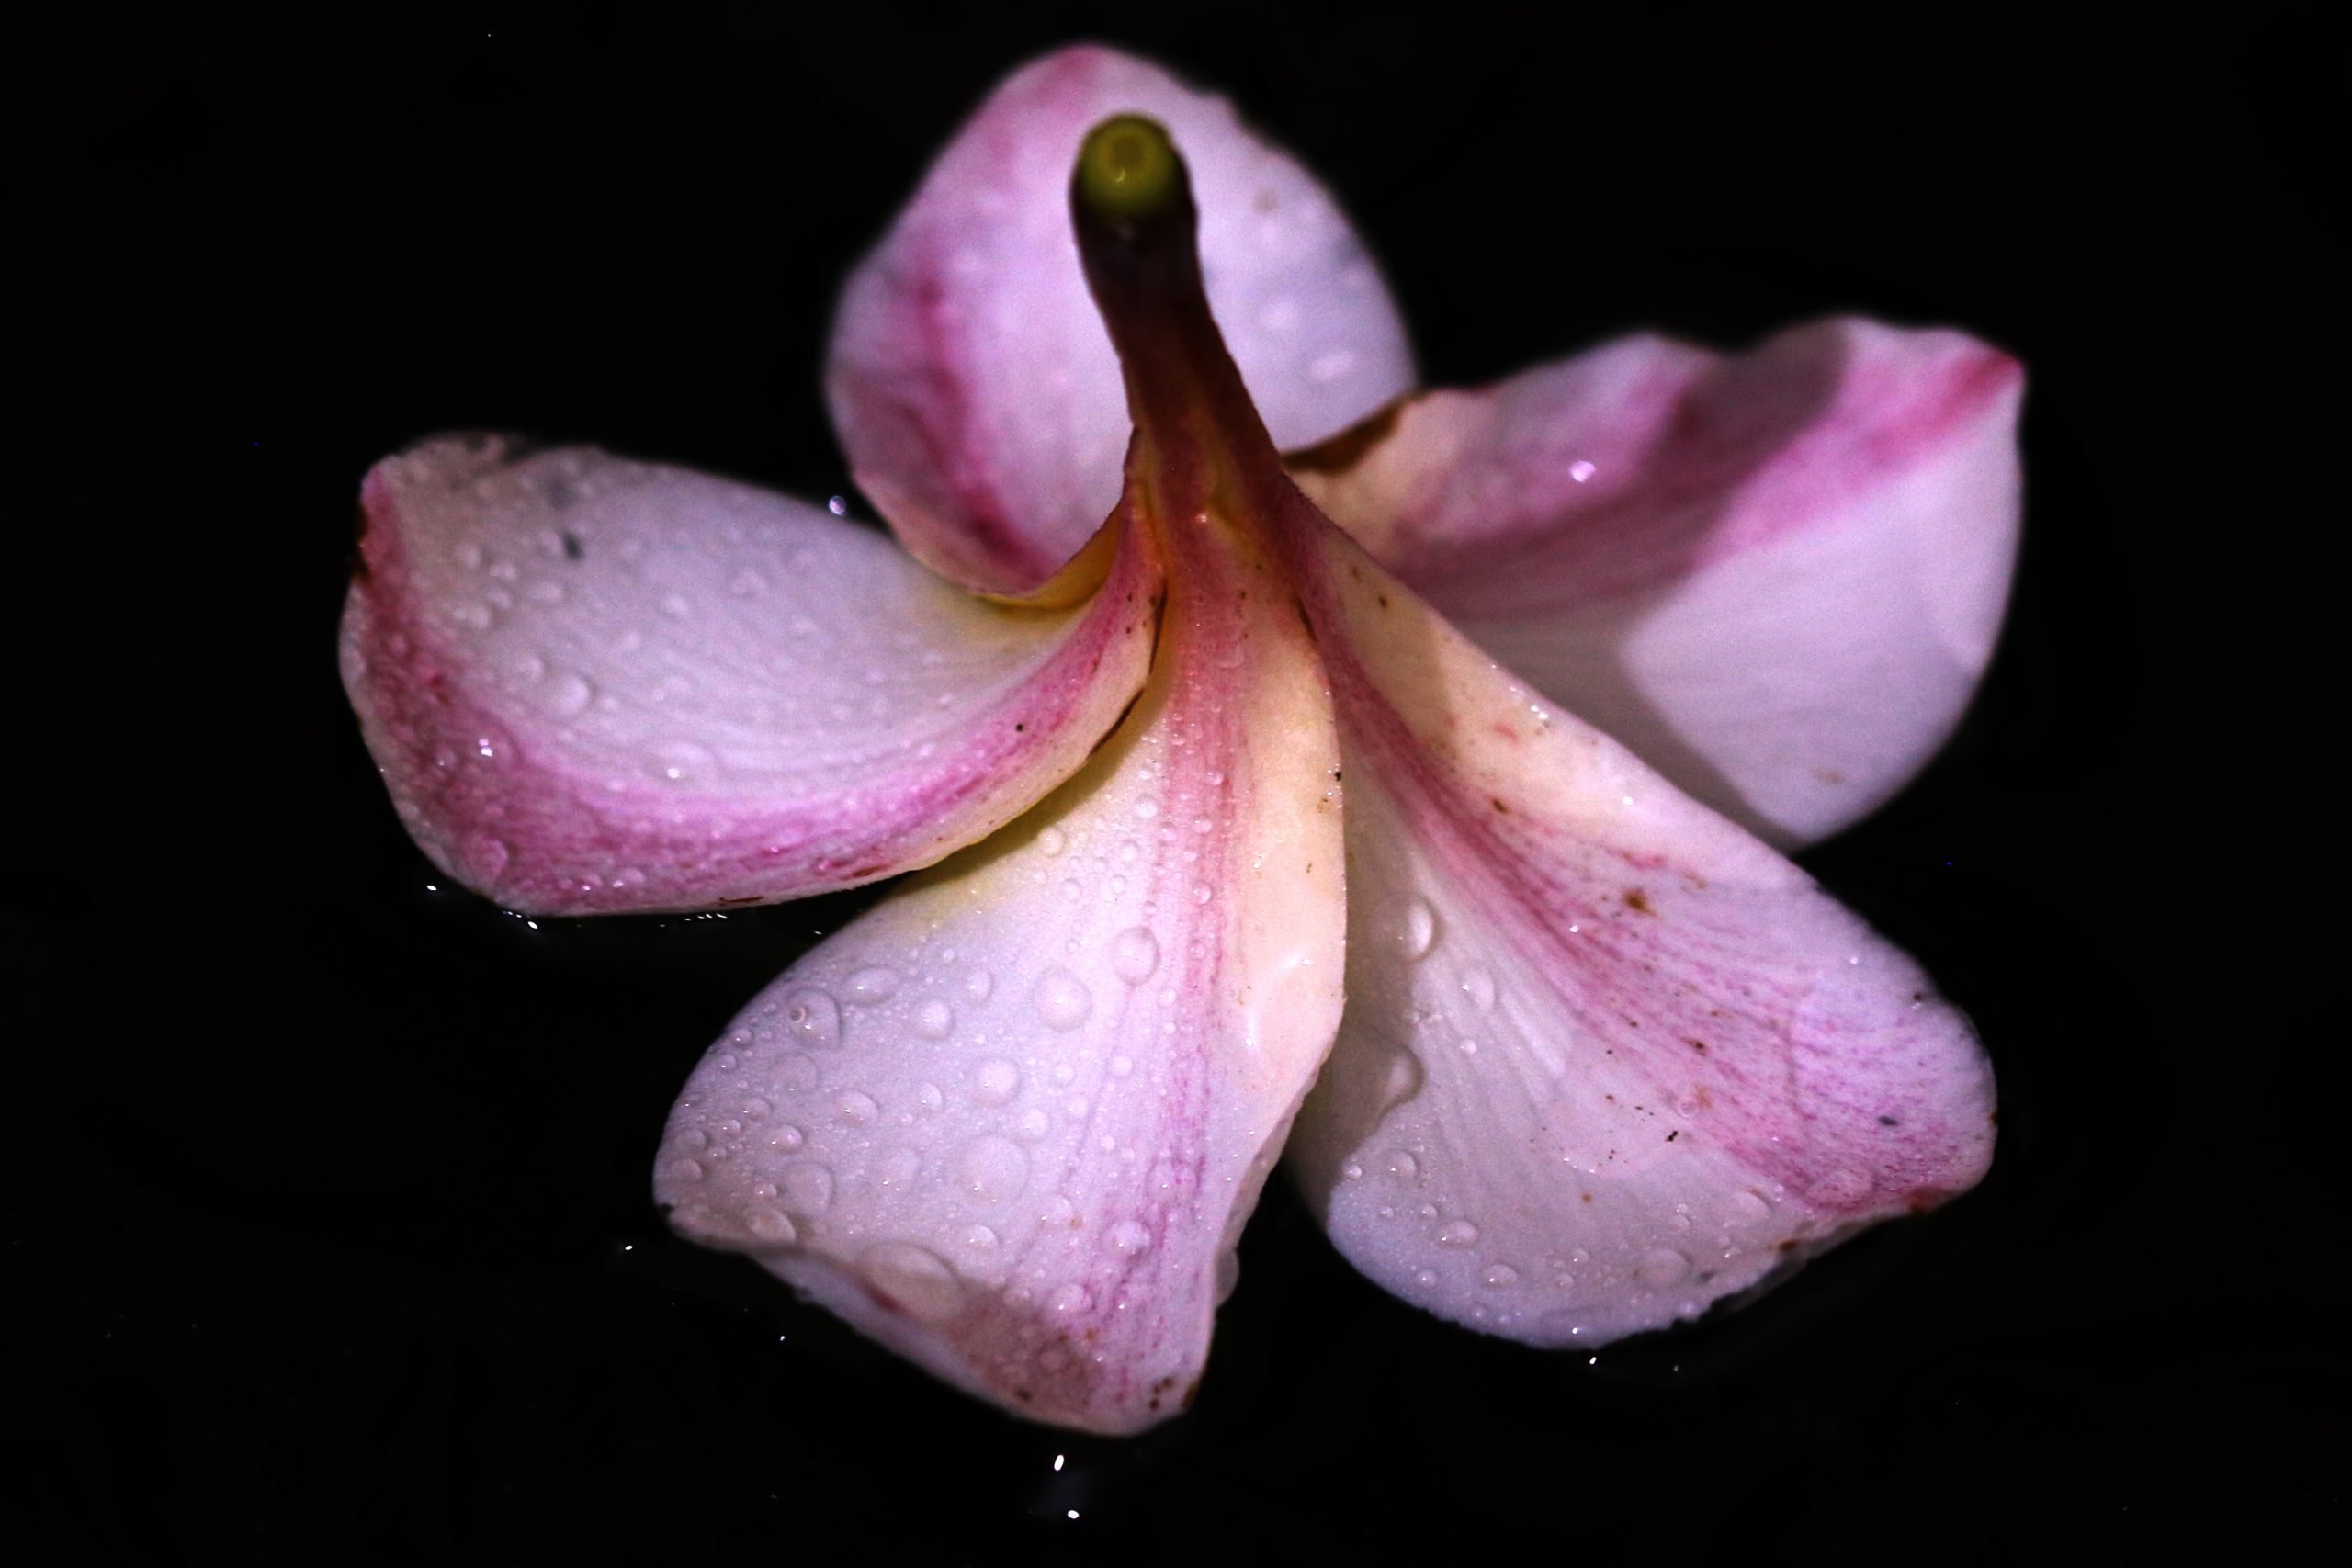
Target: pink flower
(1221,804)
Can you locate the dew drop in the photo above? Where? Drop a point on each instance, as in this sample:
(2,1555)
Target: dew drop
(1425,1277)
(1062,998)
(1400,1079)
(1130,1239)
(1352,1171)
(814,1018)
(979,1238)
(1135,953)
(1122,1065)
(1661,1267)
(1033,1124)
(694,1140)
(855,1109)
(872,983)
(978,984)
(686,1169)
(930,1098)
(1841,1188)
(1501,1277)
(769,1225)
(1479,986)
(1403,1168)
(786,1137)
(1457,1233)
(1053,841)
(994,1170)
(806,1186)
(934,1021)
(1072,1297)
(569,695)
(917,1280)
(1420,929)
(996,1081)
(681,762)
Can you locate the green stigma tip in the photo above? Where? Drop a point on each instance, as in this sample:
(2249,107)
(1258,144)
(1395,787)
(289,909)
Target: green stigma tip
(1127,169)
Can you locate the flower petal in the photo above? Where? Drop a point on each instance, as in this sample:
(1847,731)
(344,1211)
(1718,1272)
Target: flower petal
(596,686)
(1011,1121)
(973,386)
(1777,576)
(1606,1059)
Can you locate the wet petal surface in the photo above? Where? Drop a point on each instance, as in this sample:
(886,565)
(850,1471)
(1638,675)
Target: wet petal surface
(970,379)
(1011,1121)
(1777,576)
(594,684)
(1606,1059)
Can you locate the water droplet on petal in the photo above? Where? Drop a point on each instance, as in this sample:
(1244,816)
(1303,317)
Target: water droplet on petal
(1841,1188)
(1400,1079)
(569,695)
(855,1109)
(978,984)
(994,1170)
(934,1021)
(814,1018)
(1135,953)
(1479,986)
(1420,929)
(686,1169)
(769,1225)
(1072,1297)
(1053,841)
(872,983)
(807,1187)
(1457,1233)
(1661,1267)
(996,1081)
(1403,1168)
(1501,1276)
(917,1280)
(1063,1001)
(1130,1239)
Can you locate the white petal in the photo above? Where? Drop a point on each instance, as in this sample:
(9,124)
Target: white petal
(1606,1058)
(594,684)
(1777,576)
(974,385)
(1011,1121)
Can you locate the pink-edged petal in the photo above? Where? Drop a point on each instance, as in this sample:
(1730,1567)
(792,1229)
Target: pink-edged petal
(1777,576)
(1607,1058)
(973,386)
(1011,1121)
(593,684)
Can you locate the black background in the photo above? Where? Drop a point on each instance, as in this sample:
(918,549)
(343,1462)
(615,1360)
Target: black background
(335,1226)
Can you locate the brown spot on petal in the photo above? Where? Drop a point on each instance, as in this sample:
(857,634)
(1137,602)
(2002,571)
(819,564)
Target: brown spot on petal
(1638,901)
